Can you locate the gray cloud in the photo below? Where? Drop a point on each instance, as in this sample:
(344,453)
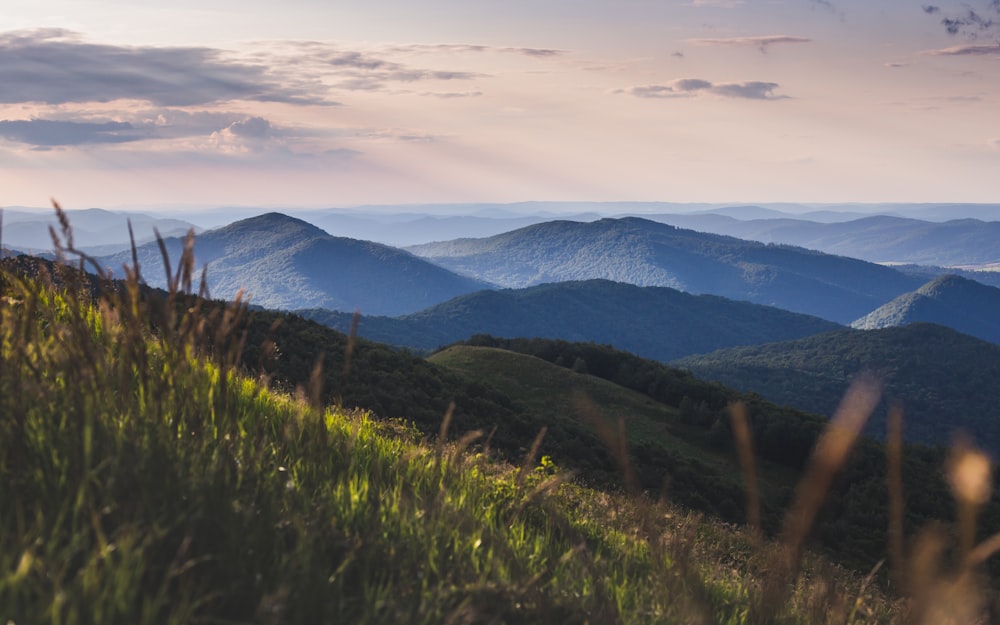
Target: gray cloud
(377,80)
(52,133)
(686,87)
(251,127)
(750,90)
(968,50)
(452,94)
(145,125)
(327,64)
(762,43)
(972,23)
(725,4)
(691,84)
(55,66)
(426,48)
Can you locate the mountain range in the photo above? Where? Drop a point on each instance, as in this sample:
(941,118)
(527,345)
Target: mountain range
(281,262)
(880,238)
(647,253)
(95,230)
(655,322)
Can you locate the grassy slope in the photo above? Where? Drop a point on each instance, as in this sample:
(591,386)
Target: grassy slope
(143,483)
(576,399)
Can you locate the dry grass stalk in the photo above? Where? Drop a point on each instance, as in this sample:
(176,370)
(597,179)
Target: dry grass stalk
(745,449)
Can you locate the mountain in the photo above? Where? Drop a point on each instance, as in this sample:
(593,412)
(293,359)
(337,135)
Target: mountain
(283,262)
(647,253)
(880,238)
(945,380)
(964,305)
(95,230)
(655,322)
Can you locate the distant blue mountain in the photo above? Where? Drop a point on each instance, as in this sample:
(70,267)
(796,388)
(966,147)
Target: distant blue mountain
(94,230)
(964,305)
(284,263)
(648,253)
(878,238)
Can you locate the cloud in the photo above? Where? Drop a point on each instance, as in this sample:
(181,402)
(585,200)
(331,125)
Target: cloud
(52,133)
(687,87)
(58,67)
(967,50)
(971,23)
(246,135)
(762,43)
(431,48)
(251,127)
(725,4)
(55,66)
(446,95)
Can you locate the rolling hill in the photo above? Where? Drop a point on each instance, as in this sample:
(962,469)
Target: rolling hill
(647,253)
(654,322)
(282,262)
(946,381)
(964,305)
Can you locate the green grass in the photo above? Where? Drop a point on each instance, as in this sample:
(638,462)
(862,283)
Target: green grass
(561,396)
(146,479)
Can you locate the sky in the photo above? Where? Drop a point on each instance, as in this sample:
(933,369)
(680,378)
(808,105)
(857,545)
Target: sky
(337,103)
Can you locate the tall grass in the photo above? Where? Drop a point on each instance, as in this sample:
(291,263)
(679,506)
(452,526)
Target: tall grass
(145,479)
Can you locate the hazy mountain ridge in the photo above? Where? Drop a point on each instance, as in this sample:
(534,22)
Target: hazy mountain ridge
(654,322)
(647,253)
(94,230)
(964,305)
(283,263)
(880,238)
(944,379)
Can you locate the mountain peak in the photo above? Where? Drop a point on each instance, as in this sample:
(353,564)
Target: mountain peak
(949,300)
(272,222)
(950,283)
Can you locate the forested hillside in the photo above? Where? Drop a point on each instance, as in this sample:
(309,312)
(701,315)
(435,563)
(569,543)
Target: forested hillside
(944,380)
(654,322)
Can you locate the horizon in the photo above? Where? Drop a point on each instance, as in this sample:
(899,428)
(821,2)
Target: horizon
(700,102)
